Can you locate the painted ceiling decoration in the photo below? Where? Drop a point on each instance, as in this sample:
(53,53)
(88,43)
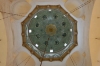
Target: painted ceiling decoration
(49,32)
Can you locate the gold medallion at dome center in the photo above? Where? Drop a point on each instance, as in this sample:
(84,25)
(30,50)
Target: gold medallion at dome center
(51,29)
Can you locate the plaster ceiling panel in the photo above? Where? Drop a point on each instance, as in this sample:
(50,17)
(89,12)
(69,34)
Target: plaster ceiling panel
(24,59)
(20,9)
(65,0)
(72,5)
(74,59)
(45,0)
(29,1)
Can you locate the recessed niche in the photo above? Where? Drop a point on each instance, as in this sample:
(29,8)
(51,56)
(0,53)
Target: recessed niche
(63,24)
(46,42)
(38,36)
(55,16)
(64,34)
(37,24)
(44,17)
(56,42)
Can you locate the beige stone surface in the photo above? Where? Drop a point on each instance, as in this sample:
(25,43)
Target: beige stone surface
(94,39)
(3,42)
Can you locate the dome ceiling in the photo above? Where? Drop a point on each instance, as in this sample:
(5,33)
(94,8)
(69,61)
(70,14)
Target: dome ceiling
(49,32)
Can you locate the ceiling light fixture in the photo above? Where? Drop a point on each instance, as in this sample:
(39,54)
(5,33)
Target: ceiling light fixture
(71,30)
(49,9)
(65,44)
(35,16)
(51,50)
(36,45)
(64,15)
(30,31)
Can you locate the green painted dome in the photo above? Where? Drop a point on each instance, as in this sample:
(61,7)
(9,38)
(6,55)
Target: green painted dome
(49,32)
(38,35)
